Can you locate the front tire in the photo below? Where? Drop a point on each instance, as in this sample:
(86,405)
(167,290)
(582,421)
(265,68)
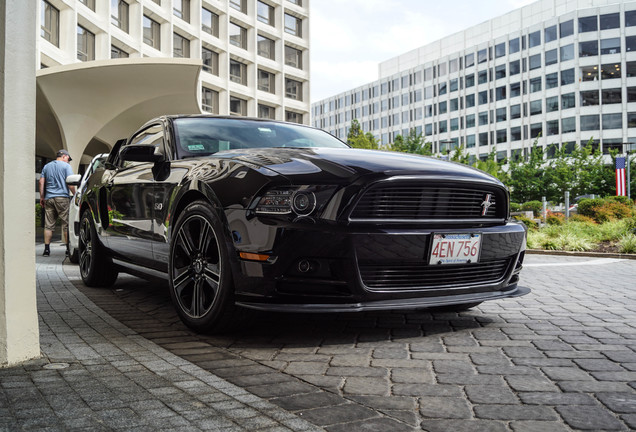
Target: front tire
(96,268)
(199,270)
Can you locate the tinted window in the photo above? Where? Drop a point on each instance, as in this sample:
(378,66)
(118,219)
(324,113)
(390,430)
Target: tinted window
(610,21)
(566,28)
(587,24)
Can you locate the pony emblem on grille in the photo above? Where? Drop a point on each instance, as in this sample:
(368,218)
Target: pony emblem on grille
(485,205)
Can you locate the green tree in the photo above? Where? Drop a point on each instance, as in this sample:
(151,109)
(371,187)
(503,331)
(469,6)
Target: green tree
(413,143)
(358,139)
(492,167)
(527,180)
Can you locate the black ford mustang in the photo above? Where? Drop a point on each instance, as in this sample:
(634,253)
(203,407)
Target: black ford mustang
(246,213)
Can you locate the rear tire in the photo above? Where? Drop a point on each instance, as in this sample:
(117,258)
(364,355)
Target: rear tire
(199,271)
(96,268)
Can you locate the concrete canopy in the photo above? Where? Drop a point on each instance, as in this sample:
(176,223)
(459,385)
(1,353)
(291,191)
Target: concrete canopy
(86,107)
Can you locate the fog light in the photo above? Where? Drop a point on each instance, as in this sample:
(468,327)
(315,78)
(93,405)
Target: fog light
(304,266)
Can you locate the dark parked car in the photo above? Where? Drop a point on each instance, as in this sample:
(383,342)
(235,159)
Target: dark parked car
(246,213)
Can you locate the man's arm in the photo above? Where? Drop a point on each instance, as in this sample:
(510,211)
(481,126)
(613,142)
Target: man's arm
(42,183)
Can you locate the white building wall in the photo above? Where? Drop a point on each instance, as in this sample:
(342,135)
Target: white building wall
(98,21)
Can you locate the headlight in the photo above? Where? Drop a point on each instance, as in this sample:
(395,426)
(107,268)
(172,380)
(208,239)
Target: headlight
(295,201)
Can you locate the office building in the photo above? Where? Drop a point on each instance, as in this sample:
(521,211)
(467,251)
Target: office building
(560,72)
(255,53)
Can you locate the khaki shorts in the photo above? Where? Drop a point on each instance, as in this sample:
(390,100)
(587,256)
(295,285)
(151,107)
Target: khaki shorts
(54,208)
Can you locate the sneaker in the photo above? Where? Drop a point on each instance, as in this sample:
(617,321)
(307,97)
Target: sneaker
(47,252)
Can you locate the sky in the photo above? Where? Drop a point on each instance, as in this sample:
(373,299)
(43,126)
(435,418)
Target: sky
(350,38)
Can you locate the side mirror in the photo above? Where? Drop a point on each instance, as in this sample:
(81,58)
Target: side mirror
(141,153)
(74,180)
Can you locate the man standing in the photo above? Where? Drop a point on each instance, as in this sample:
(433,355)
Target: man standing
(57,197)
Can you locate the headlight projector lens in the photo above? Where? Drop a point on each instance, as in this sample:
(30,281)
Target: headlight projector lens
(303,203)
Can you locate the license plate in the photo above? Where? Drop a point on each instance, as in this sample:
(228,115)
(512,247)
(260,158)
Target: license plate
(455,249)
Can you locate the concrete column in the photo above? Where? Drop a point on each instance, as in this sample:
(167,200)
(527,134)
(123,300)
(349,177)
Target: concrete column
(19,335)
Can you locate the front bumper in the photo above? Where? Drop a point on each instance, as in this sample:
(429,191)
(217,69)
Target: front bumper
(330,268)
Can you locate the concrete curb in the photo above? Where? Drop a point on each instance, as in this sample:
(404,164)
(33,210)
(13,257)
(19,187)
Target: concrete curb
(581,254)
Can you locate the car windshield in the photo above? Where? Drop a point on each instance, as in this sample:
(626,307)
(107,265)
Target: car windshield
(198,136)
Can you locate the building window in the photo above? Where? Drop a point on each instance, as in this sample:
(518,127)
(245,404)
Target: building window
(515,133)
(293,89)
(454,124)
(513,46)
(482,118)
(443,126)
(552,104)
(566,28)
(611,96)
(613,121)
(515,90)
(119,14)
(610,21)
(443,107)
(631,119)
(514,67)
(589,73)
(567,76)
(630,18)
(293,57)
(588,24)
(588,49)
(482,77)
(589,98)
(500,114)
(500,50)
(238,106)
(180,46)
(293,25)
(293,117)
(266,81)
(482,97)
(483,139)
(550,57)
(631,69)
(500,71)
(152,33)
(181,9)
(470,121)
(85,44)
(630,43)
(50,23)
(469,60)
(535,130)
(550,34)
(611,46)
(265,47)
(239,5)
(238,36)
(568,125)
(631,94)
(551,80)
(500,93)
(470,80)
(535,84)
(266,112)
(534,39)
(117,52)
(535,61)
(210,22)
(610,71)
(470,100)
(296,2)
(210,61)
(515,111)
(552,127)
(210,100)
(536,107)
(238,72)
(567,52)
(442,88)
(265,13)
(452,85)
(89,4)
(568,101)
(482,56)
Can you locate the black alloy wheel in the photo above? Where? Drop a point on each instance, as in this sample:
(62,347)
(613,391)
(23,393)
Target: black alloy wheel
(199,271)
(96,269)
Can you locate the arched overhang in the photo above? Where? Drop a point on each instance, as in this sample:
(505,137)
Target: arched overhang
(86,107)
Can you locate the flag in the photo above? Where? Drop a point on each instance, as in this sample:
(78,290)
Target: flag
(620,176)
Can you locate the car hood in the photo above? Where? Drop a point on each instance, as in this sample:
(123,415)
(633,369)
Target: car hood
(338,164)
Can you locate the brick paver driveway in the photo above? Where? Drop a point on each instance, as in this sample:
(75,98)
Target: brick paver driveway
(561,358)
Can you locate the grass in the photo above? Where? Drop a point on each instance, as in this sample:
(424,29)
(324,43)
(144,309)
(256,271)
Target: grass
(612,236)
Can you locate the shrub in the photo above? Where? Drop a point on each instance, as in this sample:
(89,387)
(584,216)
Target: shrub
(38,215)
(606,209)
(535,206)
(627,243)
(527,222)
(587,207)
(514,207)
(580,218)
(555,219)
(621,199)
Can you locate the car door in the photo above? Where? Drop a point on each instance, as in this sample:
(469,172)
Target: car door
(130,203)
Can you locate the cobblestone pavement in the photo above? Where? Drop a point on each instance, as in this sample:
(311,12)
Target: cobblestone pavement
(561,358)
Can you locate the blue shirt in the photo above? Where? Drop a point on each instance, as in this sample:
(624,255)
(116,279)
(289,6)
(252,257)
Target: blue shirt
(54,174)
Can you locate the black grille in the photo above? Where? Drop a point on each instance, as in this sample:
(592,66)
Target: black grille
(409,276)
(424,202)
